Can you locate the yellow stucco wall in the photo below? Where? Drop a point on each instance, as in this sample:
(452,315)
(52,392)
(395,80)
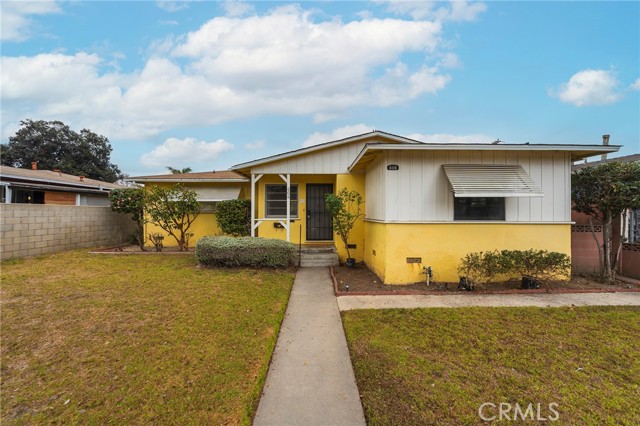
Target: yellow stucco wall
(375,244)
(442,245)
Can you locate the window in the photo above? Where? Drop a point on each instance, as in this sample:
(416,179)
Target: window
(276,203)
(633,227)
(26,196)
(478,208)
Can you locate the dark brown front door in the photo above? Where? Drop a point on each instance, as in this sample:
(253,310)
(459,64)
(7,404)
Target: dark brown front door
(318,218)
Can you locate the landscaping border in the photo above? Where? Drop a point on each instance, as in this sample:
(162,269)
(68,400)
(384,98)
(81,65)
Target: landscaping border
(339,293)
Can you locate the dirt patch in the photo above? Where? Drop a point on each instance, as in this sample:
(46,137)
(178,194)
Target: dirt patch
(133,249)
(360,280)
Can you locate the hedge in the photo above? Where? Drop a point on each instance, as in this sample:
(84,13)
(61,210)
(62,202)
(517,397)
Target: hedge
(542,265)
(245,251)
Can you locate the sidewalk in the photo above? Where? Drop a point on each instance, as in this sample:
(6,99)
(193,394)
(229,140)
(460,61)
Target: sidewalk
(347,303)
(310,380)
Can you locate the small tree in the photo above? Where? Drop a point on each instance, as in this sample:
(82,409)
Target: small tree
(130,201)
(605,192)
(174,209)
(344,208)
(234,217)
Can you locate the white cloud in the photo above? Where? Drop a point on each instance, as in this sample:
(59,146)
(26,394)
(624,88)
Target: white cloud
(636,85)
(336,134)
(451,138)
(232,68)
(589,87)
(257,145)
(458,10)
(15,17)
(172,6)
(235,8)
(184,152)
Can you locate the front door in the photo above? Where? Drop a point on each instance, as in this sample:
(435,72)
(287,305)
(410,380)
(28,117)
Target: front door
(319,226)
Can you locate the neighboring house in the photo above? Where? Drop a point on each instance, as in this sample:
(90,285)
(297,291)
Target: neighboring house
(211,188)
(584,252)
(425,204)
(33,186)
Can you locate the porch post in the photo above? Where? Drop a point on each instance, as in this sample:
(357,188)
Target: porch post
(254,179)
(253,203)
(288,207)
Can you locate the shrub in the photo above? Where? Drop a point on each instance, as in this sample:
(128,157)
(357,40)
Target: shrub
(234,217)
(245,251)
(130,201)
(482,267)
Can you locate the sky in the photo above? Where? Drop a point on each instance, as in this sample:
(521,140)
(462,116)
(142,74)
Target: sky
(207,85)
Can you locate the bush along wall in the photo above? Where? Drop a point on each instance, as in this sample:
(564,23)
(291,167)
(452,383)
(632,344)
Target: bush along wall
(234,217)
(245,251)
(532,266)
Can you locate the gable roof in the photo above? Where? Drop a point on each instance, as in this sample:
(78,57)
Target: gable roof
(389,137)
(213,176)
(370,151)
(54,178)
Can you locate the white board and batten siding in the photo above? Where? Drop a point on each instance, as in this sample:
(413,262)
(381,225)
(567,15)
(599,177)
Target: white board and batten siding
(328,161)
(420,192)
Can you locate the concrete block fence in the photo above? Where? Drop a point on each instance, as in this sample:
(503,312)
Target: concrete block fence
(34,229)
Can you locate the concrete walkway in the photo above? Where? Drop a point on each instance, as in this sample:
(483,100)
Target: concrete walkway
(310,380)
(347,303)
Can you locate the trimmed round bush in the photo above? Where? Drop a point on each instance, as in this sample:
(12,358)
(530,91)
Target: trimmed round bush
(245,251)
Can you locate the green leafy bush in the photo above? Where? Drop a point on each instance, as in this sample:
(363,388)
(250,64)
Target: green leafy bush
(130,201)
(234,217)
(245,251)
(483,267)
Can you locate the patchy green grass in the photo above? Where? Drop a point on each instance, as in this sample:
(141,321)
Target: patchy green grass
(437,366)
(98,339)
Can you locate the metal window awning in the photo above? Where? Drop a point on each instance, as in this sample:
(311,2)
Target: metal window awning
(219,193)
(490,180)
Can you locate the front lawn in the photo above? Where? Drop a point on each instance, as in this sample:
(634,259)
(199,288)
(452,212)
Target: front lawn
(437,366)
(128,339)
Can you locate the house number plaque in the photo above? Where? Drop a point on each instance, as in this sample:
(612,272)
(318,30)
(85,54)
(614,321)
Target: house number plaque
(393,167)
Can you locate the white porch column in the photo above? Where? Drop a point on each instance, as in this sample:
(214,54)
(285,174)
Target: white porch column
(287,179)
(288,207)
(254,180)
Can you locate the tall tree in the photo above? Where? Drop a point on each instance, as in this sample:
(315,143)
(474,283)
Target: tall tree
(605,192)
(54,145)
(179,171)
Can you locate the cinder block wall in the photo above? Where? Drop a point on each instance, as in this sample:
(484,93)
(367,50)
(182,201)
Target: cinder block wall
(33,229)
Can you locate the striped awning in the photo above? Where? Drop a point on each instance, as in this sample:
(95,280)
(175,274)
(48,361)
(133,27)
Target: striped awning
(490,180)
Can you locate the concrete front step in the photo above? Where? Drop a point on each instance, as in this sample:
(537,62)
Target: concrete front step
(308,260)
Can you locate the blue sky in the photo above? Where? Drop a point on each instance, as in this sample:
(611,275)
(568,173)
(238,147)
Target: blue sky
(211,84)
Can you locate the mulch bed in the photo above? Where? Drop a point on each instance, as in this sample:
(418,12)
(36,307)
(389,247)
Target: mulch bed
(133,249)
(359,280)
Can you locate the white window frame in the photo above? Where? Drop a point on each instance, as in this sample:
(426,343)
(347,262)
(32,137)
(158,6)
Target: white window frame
(266,194)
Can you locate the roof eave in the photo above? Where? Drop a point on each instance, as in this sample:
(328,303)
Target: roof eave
(578,151)
(192,180)
(62,183)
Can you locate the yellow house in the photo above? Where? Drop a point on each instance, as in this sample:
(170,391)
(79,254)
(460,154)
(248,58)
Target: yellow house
(426,204)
